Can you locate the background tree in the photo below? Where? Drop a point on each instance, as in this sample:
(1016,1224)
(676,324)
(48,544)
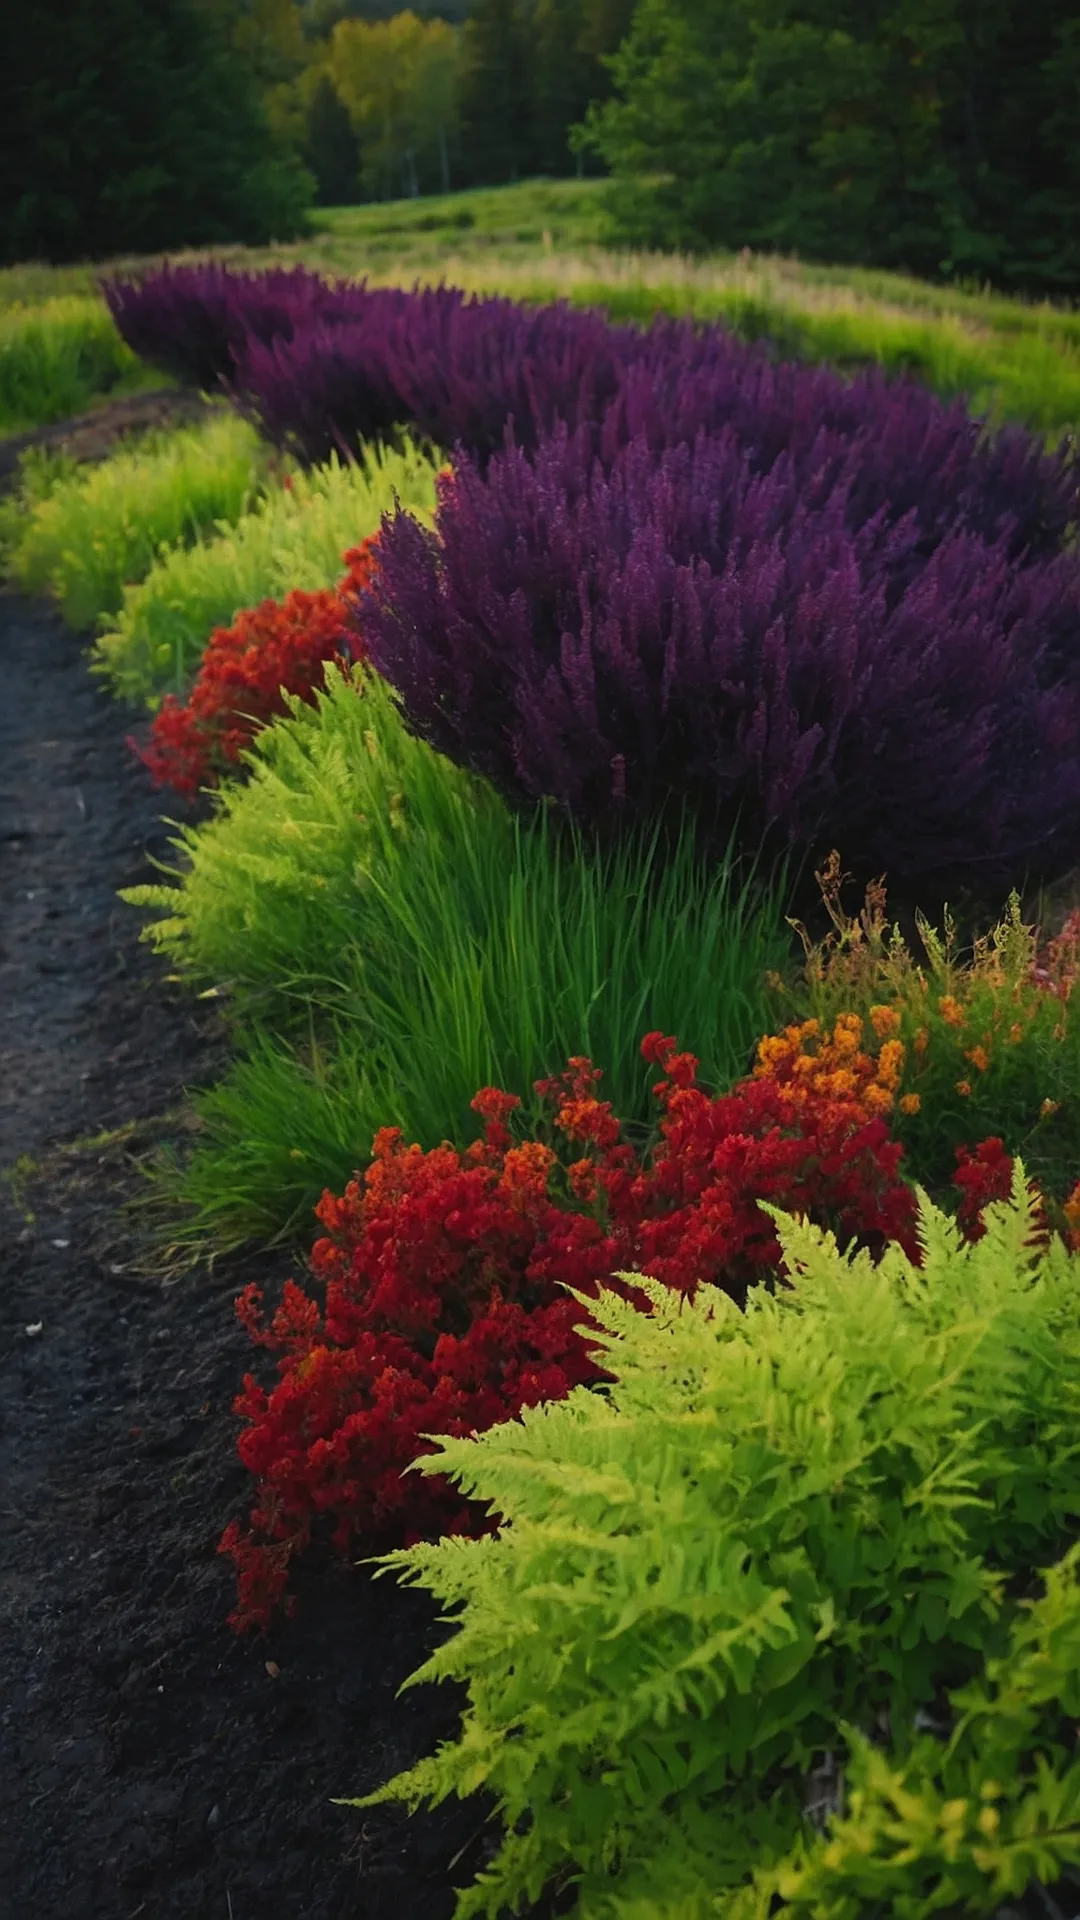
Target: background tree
(397,79)
(329,146)
(940,136)
(132,126)
(320,17)
(571,40)
(498,104)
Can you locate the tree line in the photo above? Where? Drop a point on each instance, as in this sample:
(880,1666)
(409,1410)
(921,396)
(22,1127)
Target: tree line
(937,136)
(941,137)
(140,125)
(382,101)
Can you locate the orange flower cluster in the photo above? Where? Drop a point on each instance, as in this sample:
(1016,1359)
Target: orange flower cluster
(810,1062)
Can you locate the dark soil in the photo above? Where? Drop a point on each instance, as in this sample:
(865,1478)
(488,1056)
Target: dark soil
(150,1762)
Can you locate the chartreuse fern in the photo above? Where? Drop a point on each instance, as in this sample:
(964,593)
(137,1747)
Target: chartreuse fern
(778,1534)
(292,537)
(99,529)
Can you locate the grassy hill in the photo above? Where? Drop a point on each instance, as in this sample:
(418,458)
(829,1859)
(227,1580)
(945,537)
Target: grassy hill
(546,239)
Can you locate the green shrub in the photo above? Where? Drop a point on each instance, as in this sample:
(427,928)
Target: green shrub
(293,537)
(399,939)
(735,123)
(56,357)
(783,1538)
(101,529)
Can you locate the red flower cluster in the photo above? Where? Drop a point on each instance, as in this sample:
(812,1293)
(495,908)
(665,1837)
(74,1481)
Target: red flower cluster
(444,1309)
(245,668)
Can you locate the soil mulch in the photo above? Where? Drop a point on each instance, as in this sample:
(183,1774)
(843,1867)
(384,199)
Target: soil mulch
(150,1762)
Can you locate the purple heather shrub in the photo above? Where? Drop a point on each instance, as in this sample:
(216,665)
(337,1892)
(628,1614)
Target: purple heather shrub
(469,370)
(193,321)
(457,370)
(672,628)
(903,447)
(329,387)
(323,368)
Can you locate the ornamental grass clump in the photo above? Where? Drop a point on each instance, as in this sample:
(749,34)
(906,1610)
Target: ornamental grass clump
(829,1534)
(675,629)
(386,937)
(55,358)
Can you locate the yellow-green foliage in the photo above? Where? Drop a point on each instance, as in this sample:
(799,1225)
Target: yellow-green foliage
(781,1534)
(404,940)
(272,887)
(100,529)
(293,537)
(55,357)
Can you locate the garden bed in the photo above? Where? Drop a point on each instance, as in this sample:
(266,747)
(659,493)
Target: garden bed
(151,1763)
(154,1762)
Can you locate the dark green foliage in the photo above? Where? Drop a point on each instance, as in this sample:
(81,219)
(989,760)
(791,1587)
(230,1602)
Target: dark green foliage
(330,148)
(319,17)
(497,107)
(941,141)
(127,126)
(570,39)
(531,69)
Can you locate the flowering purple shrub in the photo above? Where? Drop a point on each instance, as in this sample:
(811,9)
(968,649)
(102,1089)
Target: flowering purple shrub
(329,387)
(671,626)
(457,370)
(326,368)
(194,321)
(901,445)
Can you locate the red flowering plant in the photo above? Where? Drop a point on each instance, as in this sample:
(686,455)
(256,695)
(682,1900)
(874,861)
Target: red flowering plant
(274,649)
(445,1271)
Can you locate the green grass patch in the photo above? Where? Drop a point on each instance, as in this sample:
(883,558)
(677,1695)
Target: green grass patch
(291,537)
(389,939)
(91,533)
(57,358)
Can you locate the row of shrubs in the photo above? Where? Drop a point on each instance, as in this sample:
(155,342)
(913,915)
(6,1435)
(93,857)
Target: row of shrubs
(793,1507)
(667,569)
(182,529)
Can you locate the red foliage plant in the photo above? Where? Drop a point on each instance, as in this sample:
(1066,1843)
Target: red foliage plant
(444,1309)
(246,670)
